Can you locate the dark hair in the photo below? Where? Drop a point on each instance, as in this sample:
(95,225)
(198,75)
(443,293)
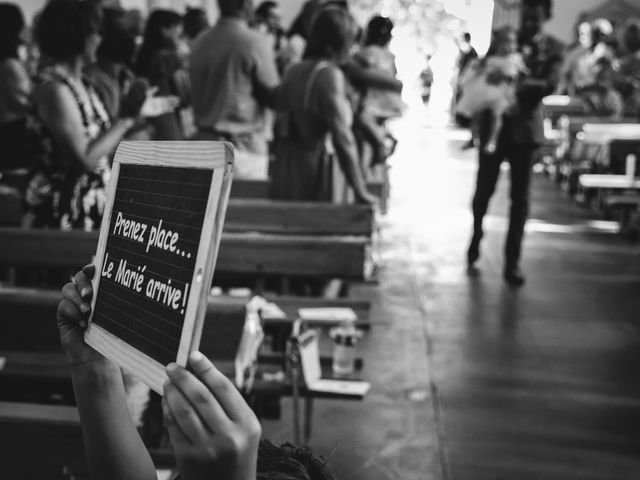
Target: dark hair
(303,22)
(287,462)
(154,40)
(466,36)
(498,37)
(379,31)
(65,26)
(604,63)
(11,26)
(546,5)
(119,37)
(231,8)
(631,36)
(265,7)
(194,21)
(332,32)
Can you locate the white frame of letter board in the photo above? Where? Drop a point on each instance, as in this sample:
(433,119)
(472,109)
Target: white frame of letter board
(216,156)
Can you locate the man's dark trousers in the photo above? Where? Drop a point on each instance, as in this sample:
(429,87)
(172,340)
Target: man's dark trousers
(520,157)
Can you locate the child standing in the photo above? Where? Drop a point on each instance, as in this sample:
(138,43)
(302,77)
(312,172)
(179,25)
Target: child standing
(492,86)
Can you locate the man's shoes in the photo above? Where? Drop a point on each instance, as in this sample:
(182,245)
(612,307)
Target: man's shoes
(514,277)
(468,145)
(473,254)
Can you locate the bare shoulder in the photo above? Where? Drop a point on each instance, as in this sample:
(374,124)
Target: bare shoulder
(53,96)
(331,77)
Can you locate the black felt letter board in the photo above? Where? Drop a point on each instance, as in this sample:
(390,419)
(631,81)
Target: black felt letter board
(145,279)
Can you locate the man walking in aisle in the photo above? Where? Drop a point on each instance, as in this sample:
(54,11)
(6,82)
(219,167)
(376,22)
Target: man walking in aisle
(522,133)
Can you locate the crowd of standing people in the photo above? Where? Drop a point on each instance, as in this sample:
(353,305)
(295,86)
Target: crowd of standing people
(83,78)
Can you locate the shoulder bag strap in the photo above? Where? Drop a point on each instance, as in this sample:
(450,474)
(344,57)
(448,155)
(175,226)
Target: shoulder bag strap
(317,68)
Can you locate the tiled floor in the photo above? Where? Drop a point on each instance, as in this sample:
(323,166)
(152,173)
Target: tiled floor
(471,379)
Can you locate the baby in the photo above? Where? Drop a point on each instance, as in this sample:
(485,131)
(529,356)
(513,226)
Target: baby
(492,86)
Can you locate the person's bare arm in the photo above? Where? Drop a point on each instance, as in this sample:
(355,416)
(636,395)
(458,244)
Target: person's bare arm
(369,77)
(113,447)
(265,75)
(338,116)
(60,113)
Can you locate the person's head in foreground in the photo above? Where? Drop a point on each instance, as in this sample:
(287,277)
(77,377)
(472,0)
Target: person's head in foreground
(213,432)
(332,35)
(503,42)
(379,31)
(631,36)
(12,30)
(69,31)
(194,22)
(534,14)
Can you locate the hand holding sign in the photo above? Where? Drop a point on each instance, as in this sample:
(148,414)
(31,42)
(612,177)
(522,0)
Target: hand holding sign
(72,316)
(213,431)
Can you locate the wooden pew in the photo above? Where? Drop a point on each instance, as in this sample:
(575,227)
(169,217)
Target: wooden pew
(29,342)
(298,218)
(27,321)
(37,441)
(259,189)
(257,215)
(556,106)
(10,206)
(35,367)
(578,152)
(240,253)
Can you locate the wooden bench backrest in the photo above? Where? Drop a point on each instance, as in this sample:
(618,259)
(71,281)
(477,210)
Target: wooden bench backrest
(259,189)
(240,253)
(257,215)
(10,206)
(304,218)
(28,323)
(37,441)
(28,316)
(577,122)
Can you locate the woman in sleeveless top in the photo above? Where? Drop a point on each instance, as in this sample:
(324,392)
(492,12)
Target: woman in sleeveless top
(74,134)
(312,105)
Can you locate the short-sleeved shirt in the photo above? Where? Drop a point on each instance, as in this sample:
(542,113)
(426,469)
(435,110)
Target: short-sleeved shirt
(229,64)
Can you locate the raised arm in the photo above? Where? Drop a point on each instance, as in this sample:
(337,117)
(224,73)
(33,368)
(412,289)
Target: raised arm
(265,75)
(338,116)
(370,77)
(60,113)
(112,444)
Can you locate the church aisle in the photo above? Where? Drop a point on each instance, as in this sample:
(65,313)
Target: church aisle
(475,380)
(533,383)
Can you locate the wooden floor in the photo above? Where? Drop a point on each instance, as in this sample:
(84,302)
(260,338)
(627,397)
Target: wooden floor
(474,380)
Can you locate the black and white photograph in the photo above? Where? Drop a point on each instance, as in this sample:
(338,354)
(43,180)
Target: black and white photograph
(320,239)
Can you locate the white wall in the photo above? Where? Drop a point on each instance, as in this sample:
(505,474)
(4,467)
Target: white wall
(565,16)
(30,7)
